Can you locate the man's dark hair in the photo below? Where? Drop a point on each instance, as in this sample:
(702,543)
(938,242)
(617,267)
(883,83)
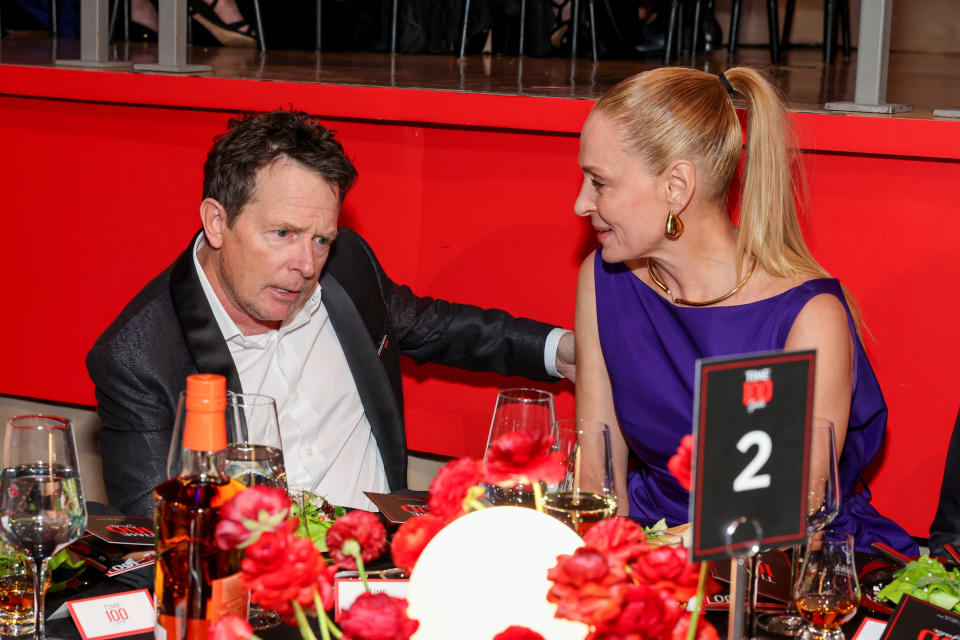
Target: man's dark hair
(256,141)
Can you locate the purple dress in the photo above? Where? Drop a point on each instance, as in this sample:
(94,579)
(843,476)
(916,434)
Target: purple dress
(650,347)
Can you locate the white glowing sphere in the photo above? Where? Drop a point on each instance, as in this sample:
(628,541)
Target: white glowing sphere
(487,571)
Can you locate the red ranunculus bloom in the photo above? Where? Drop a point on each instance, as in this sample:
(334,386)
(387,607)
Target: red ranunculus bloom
(449,488)
(363,527)
(411,538)
(249,513)
(280,568)
(667,569)
(679,464)
(230,628)
(647,612)
(523,456)
(516,632)
(705,630)
(621,537)
(377,616)
(588,586)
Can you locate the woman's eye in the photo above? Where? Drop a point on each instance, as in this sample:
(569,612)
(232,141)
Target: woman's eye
(596,184)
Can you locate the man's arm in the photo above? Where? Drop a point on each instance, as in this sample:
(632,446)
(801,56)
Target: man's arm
(136,415)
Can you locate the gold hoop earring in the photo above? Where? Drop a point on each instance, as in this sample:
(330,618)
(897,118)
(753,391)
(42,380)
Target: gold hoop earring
(674,226)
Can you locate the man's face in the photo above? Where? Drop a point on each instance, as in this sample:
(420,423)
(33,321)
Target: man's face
(271,258)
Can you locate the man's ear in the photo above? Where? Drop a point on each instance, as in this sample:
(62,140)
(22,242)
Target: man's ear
(681,183)
(214,219)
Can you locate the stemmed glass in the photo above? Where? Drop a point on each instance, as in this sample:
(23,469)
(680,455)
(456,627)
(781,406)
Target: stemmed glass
(827,591)
(41,500)
(515,410)
(586,495)
(823,505)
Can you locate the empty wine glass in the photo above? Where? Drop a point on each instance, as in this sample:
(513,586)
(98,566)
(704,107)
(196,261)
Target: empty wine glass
(515,410)
(827,591)
(41,500)
(823,505)
(586,495)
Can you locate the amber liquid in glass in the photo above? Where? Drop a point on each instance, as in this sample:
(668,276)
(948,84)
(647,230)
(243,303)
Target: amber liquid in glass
(826,610)
(196,582)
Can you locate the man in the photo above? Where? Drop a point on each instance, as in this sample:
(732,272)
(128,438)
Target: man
(277,298)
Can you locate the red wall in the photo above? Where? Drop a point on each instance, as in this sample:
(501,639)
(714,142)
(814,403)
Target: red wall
(462,196)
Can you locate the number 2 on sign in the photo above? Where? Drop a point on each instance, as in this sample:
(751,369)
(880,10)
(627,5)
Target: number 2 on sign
(748,480)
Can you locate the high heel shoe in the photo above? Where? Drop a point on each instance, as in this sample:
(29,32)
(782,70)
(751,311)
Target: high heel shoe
(229,35)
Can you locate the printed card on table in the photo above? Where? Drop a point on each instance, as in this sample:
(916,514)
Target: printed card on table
(398,508)
(114,616)
(915,619)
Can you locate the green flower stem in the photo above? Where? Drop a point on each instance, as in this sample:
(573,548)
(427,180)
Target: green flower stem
(361,570)
(695,616)
(304,625)
(326,624)
(538,496)
(475,505)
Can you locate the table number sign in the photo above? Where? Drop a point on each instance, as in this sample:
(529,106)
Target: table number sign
(113,616)
(752,417)
(915,619)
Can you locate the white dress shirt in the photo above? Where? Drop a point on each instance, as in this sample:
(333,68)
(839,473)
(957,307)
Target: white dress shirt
(328,446)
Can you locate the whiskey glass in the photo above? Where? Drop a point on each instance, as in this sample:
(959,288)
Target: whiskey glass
(827,592)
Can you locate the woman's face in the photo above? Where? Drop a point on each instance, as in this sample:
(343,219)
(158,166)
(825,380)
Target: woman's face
(626,205)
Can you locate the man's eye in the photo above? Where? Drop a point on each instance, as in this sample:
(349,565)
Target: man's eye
(322,240)
(282,233)
(596,184)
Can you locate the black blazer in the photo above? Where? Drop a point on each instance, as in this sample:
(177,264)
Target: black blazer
(140,363)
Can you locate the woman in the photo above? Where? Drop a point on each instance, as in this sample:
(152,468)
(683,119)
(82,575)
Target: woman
(675,280)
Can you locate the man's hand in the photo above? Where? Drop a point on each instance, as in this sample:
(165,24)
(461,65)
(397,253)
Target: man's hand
(567,357)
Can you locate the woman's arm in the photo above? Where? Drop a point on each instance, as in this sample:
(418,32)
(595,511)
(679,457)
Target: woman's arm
(594,395)
(822,325)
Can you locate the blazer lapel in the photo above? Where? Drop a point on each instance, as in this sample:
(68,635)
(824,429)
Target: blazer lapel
(200,329)
(371,379)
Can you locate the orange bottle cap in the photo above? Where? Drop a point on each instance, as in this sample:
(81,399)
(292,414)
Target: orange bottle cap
(204,428)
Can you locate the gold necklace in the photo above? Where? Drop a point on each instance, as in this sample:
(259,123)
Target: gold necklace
(652,269)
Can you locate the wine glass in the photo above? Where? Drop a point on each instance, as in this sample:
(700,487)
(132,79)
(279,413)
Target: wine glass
(519,409)
(586,495)
(827,591)
(41,500)
(823,505)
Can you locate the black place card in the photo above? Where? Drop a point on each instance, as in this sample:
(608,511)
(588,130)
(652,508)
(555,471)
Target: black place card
(915,619)
(773,575)
(136,530)
(752,417)
(398,508)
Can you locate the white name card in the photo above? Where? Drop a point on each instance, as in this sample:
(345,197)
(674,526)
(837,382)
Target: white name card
(114,615)
(346,590)
(870,629)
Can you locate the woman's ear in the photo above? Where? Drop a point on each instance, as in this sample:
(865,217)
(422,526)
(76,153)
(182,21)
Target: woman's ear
(680,184)
(214,219)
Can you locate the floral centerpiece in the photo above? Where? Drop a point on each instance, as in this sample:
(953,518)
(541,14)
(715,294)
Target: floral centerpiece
(620,585)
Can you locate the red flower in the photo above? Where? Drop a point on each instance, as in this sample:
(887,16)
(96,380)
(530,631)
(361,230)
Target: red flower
(411,538)
(377,616)
(705,630)
(588,586)
(679,464)
(356,532)
(647,612)
(621,537)
(230,628)
(280,568)
(667,569)
(249,513)
(516,632)
(449,489)
(523,456)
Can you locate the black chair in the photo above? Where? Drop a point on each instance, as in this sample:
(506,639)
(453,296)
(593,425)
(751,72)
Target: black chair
(773,27)
(834,11)
(945,528)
